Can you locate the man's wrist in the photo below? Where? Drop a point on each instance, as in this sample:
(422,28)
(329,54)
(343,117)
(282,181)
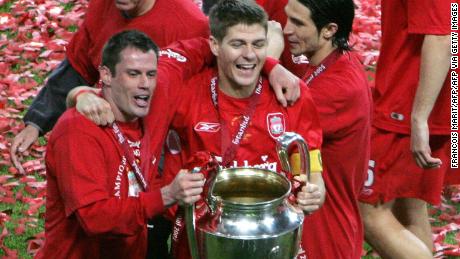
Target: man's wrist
(418,119)
(80,92)
(168,200)
(27,123)
(269,64)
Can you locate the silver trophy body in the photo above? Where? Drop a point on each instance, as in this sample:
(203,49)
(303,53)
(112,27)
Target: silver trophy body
(249,214)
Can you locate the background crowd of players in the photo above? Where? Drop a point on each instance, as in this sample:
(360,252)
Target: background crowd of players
(383,159)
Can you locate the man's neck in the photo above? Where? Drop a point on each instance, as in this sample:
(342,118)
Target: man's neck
(318,57)
(234,91)
(117,113)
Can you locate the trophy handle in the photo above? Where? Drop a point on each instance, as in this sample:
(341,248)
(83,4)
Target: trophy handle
(190,218)
(284,142)
(211,200)
(190,225)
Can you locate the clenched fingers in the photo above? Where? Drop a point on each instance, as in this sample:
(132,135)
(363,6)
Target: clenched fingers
(190,186)
(95,108)
(309,198)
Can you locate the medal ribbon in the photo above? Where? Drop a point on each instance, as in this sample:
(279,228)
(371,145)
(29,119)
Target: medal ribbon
(230,144)
(329,60)
(128,152)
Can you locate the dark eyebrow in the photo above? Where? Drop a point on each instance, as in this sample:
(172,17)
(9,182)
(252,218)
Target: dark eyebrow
(296,21)
(259,40)
(237,40)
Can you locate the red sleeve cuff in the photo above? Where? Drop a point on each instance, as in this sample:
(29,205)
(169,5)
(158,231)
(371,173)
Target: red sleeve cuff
(270,63)
(152,202)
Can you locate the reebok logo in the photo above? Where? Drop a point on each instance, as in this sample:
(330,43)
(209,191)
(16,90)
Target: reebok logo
(207,126)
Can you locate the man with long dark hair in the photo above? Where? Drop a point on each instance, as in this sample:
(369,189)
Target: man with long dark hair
(319,29)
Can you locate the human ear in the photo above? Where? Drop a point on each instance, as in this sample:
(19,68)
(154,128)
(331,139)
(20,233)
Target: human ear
(214,45)
(105,75)
(329,30)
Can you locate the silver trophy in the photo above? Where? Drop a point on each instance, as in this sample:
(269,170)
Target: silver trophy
(249,215)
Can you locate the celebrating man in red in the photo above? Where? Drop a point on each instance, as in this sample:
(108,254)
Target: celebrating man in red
(165,21)
(99,195)
(319,30)
(411,113)
(232,111)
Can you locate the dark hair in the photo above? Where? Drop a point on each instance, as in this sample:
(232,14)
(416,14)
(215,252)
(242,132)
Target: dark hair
(120,41)
(228,13)
(207,5)
(341,12)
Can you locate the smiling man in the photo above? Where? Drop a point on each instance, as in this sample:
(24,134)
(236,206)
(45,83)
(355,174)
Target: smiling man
(98,192)
(320,29)
(164,21)
(231,111)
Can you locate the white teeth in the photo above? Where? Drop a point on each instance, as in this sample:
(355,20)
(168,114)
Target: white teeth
(246,66)
(144,97)
(141,100)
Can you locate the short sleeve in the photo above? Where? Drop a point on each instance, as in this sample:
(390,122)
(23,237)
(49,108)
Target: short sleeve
(428,17)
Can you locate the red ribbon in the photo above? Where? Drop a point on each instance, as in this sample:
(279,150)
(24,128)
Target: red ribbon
(327,62)
(230,144)
(128,152)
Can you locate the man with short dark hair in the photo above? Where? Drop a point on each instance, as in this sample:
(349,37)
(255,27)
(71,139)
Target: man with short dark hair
(320,29)
(165,21)
(99,180)
(275,11)
(244,118)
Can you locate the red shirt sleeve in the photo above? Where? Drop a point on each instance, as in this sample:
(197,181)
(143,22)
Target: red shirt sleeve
(114,216)
(172,165)
(179,62)
(275,10)
(269,64)
(428,16)
(183,59)
(80,44)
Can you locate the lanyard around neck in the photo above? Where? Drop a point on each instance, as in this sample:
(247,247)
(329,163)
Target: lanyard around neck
(128,152)
(230,144)
(327,62)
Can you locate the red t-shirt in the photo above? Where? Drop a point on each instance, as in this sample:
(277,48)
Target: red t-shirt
(404,25)
(343,100)
(198,127)
(93,207)
(275,11)
(168,21)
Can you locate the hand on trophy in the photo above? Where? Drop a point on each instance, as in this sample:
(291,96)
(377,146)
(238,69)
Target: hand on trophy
(311,197)
(185,188)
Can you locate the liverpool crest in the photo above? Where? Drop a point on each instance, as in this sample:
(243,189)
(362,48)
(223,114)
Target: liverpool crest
(275,124)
